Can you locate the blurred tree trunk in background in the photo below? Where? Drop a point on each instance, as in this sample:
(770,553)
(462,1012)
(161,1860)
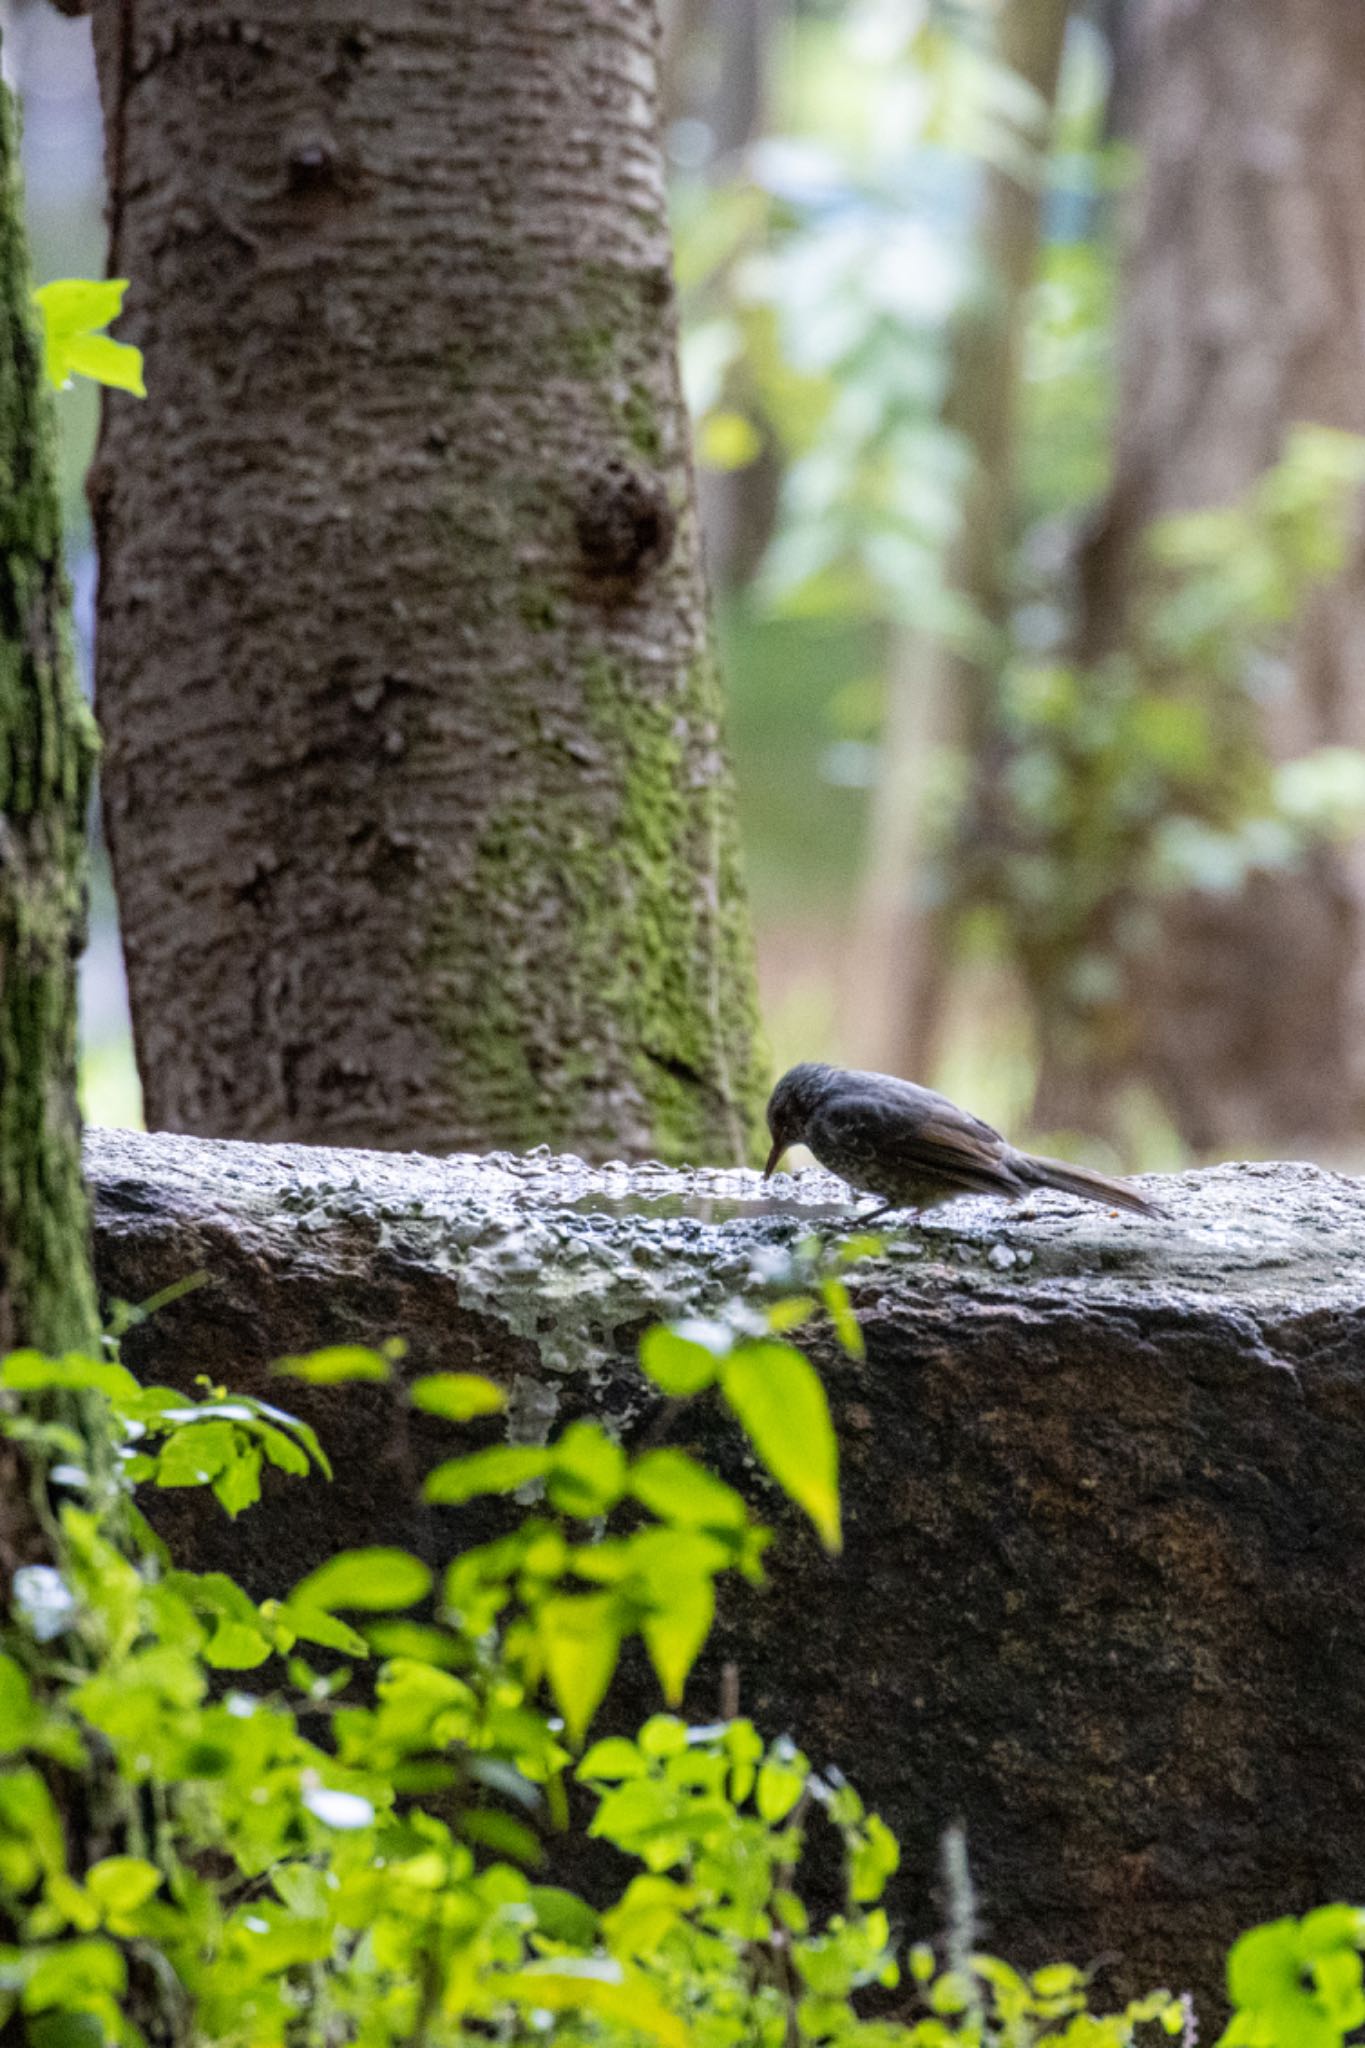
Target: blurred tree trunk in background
(1242,316)
(420,816)
(719,58)
(47,1292)
(941,699)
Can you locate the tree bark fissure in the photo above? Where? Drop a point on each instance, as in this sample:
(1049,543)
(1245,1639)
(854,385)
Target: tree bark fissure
(1102,1522)
(415,781)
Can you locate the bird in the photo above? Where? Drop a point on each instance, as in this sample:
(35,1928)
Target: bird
(913,1147)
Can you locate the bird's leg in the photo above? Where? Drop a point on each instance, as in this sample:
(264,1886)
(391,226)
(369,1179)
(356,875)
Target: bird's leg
(882,1209)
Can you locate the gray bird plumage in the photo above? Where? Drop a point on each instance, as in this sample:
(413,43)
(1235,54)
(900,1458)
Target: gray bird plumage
(914,1147)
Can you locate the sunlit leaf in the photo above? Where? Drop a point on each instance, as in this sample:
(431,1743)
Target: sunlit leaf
(684,1358)
(778,1397)
(374,1579)
(599,1986)
(612,1758)
(336,1363)
(73,309)
(30,1371)
(120,1884)
(580,1640)
(834,1294)
(500,1470)
(588,1472)
(677,1489)
(457,1396)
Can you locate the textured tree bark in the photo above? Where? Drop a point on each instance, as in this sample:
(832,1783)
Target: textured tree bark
(1240,319)
(940,698)
(419,810)
(46,754)
(1105,1538)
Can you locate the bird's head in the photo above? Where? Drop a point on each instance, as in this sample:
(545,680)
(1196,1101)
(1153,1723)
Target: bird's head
(791,1106)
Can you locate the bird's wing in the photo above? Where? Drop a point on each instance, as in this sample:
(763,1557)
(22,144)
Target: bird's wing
(919,1131)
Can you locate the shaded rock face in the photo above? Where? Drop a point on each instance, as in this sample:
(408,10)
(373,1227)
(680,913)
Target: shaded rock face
(1103,1591)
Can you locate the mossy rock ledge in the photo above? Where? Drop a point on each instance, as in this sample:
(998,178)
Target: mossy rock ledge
(1102,1597)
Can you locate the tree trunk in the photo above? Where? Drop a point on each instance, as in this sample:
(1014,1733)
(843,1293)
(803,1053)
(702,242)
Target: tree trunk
(419,811)
(941,699)
(1103,1591)
(46,752)
(1240,319)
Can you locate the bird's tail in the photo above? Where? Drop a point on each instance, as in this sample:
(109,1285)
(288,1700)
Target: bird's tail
(1090,1186)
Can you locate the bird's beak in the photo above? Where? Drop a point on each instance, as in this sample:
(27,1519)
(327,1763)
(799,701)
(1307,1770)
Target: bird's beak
(779,1148)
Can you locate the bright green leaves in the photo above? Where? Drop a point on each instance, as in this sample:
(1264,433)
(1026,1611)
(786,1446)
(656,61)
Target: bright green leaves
(501,1469)
(778,1397)
(338,1363)
(1299,1981)
(458,1396)
(30,1372)
(580,1639)
(374,1579)
(677,1489)
(74,310)
(587,1474)
(770,1386)
(682,1358)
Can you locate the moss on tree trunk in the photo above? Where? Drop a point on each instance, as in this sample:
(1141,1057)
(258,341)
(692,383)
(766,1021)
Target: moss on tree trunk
(421,819)
(46,750)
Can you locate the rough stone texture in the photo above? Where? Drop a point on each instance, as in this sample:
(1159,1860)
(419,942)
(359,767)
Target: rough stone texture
(1101,1595)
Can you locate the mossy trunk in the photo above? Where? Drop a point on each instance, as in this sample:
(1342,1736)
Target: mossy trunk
(46,749)
(420,814)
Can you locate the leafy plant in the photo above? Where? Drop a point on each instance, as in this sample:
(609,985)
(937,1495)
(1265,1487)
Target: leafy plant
(74,312)
(267,1849)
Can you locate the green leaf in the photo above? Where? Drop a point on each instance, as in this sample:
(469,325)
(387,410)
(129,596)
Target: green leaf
(780,1785)
(600,1986)
(499,1470)
(20,1718)
(238,1485)
(588,1472)
(503,1834)
(563,1915)
(677,1489)
(73,309)
(120,1884)
(458,1396)
(612,1759)
(31,1371)
(375,1579)
(335,1363)
(580,1641)
(236,1646)
(684,1358)
(778,1397)
(791,1313)
(194,1455)
(875,1857)
(834,1294)
(675,1634)
(315,1626)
